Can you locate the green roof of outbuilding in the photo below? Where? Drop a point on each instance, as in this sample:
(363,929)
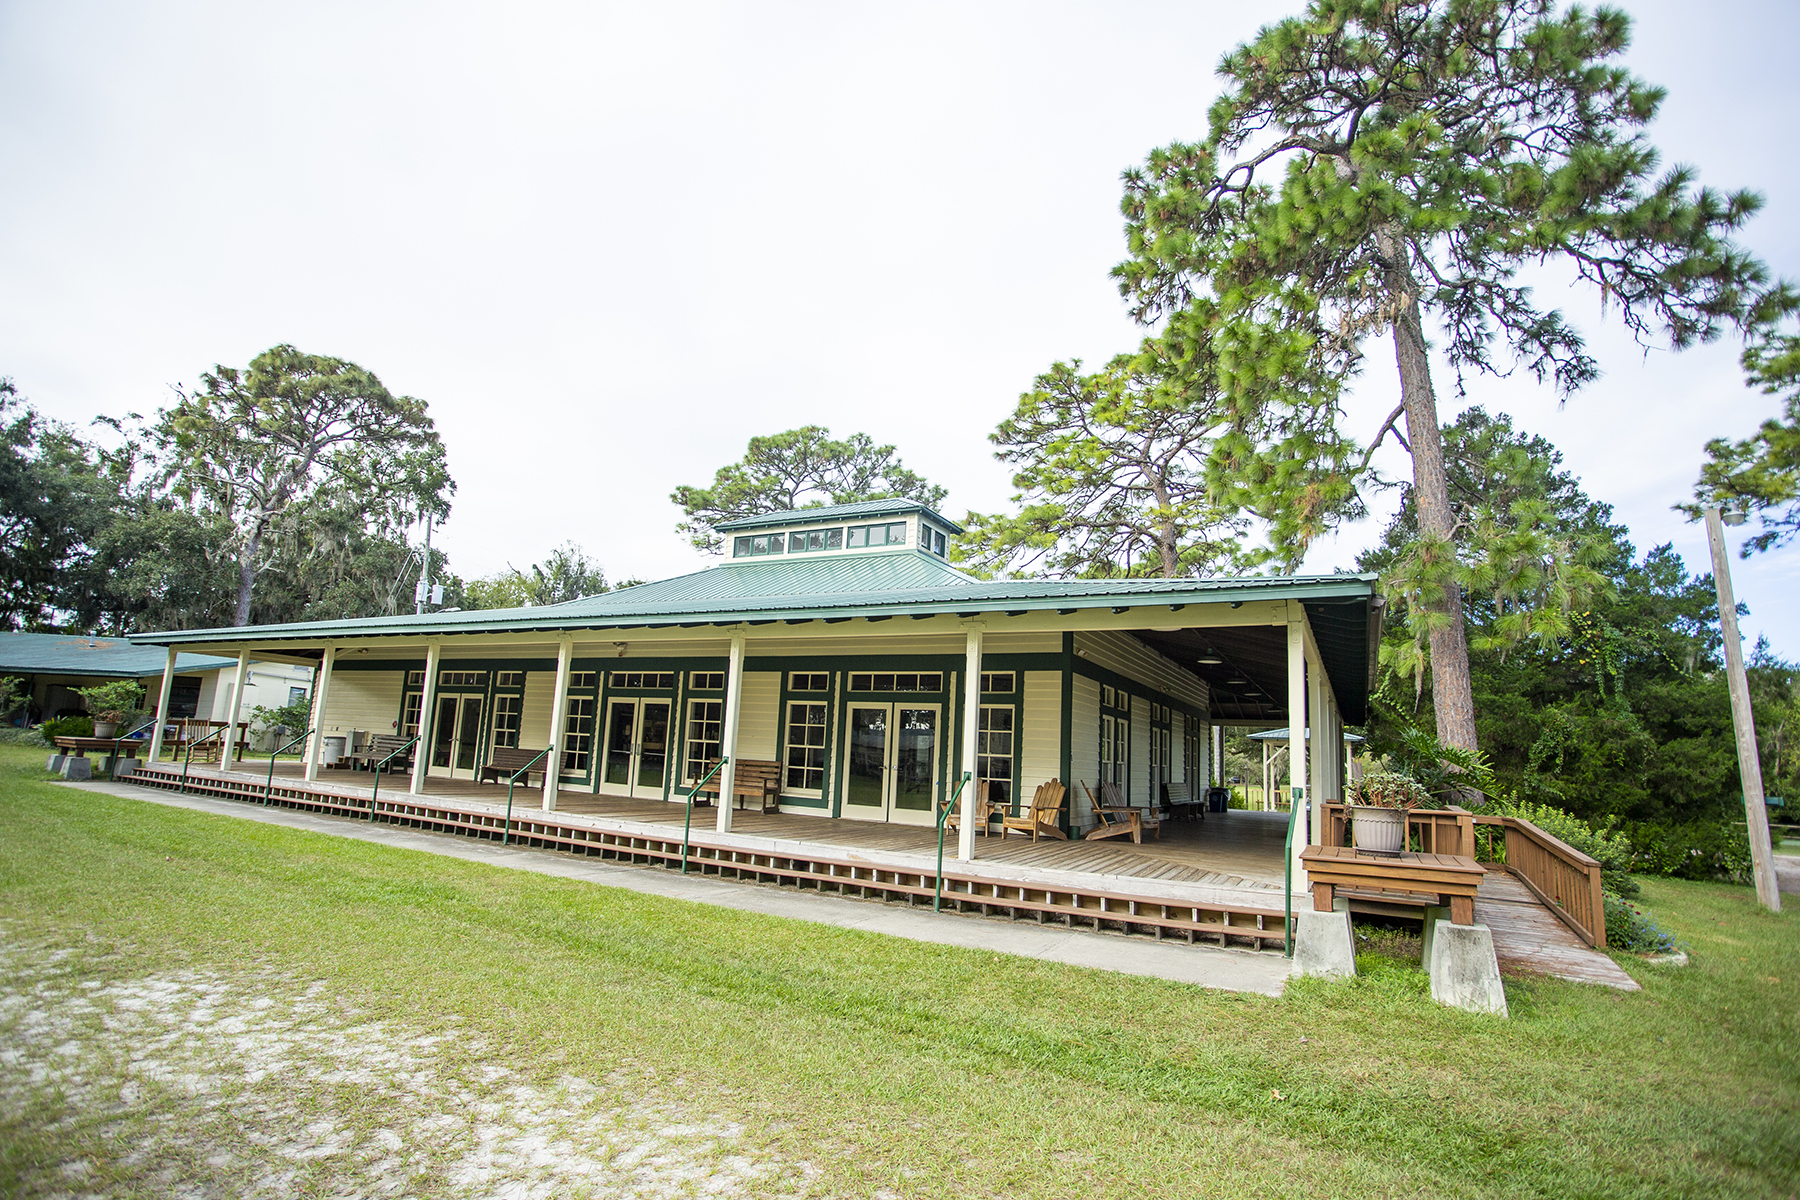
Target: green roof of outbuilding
(77,654)
(840,512)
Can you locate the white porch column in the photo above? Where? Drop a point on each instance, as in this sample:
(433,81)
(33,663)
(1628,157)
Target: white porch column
(162,706)
(728,736)
(237,704)
(1218,745)
(1315,746)
(559,719)
(315,742)
(1296,702)
(971,744)
(434,652)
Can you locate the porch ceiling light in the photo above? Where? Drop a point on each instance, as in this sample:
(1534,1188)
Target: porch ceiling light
(1210,660)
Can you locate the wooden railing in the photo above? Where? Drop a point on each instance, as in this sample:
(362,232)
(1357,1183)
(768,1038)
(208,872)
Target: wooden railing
(1429,830)
(1565,879)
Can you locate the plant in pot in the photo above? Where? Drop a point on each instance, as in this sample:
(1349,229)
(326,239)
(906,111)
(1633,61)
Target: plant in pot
(109,703)
(1379,802)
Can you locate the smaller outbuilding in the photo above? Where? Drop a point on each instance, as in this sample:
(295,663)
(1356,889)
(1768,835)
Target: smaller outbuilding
(52,665)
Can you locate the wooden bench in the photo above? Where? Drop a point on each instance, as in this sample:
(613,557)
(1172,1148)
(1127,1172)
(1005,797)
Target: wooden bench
(1422,880)
(755,779)
(381,746)
(508,761)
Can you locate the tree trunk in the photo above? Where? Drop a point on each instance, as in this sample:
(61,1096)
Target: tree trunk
(1452,695)
(246,577)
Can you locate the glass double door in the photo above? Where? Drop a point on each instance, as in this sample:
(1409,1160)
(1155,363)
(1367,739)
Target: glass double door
(892,768)
(456,736)
(636,753)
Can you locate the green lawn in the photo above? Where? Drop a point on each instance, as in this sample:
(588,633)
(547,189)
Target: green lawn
(465,998)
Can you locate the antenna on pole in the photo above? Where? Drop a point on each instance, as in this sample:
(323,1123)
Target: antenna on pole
(423,591)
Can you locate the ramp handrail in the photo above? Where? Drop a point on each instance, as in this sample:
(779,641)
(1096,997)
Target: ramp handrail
(1564,878)
(189,760)
(506,837)
(269,783)
(376,791)
(937,901)
(688,824)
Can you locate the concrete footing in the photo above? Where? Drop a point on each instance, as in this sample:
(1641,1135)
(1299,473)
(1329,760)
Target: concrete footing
(1465,973)
(77,768)
(54,764)
(1323,945)
(122,766)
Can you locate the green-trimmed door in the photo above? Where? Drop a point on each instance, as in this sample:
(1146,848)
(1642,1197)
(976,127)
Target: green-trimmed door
(891,771)
(635,755)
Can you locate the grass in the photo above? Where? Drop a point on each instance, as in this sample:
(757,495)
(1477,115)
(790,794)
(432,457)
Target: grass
(900,1069)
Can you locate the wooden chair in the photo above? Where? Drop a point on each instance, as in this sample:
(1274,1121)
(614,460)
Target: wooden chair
(1041,817)
(1148,818)
(985,808)
(1114,822)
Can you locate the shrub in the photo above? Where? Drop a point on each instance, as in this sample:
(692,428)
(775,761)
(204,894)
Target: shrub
(1629,927)
(295,716)
(112,701)
(66,727)
(1691,850)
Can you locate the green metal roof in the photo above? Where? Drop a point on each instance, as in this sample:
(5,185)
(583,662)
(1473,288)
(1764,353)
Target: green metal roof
(78,654)
(840,512)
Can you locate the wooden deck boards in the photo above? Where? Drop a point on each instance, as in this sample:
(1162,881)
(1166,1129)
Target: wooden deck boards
(1529,937)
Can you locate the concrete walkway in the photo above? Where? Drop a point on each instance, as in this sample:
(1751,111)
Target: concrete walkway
(1227,970)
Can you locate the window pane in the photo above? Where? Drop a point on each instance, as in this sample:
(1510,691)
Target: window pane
(740,547)
(834,539)
(704,734)
(896,534)
(806,746)
(859,537)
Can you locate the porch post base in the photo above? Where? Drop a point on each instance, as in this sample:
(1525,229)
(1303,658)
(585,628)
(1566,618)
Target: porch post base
(1323,946)
(1464,972)
(54,763)
(122,766)
(1431,918)
(77,768)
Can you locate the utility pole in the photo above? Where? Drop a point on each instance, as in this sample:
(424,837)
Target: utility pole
(422,593)
(1756,816)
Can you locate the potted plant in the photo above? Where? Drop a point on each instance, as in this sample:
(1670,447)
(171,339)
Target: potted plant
(1379,802)
(109,702)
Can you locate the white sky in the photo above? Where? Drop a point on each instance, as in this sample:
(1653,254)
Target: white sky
(610,244)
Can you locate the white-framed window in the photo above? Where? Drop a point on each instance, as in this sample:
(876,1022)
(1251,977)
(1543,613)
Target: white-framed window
(462,679)
(1115,751)
(578,736)
(1106,696)
(707,681)
(409,714)
(805,747)
(756,545)
(507,710)
(931,539)
(705,736)
(815,539)
(583,680)
(640,679)
(897,682)
(415,679)
(995,744)
(509,679)
(891,533)
(999,683)
(808,681)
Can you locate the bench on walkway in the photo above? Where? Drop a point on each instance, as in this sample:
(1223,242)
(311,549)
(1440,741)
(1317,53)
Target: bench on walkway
(381,746)
(508,761)
(755,779)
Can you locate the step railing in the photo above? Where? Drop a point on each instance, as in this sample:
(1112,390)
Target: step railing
(1565,879)
(269,784)
(506,838)
(937,899)
(189,760)
(376,791)
(119,743)
(687,824)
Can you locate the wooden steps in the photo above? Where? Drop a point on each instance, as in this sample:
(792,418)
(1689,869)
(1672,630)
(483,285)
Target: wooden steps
(859,872)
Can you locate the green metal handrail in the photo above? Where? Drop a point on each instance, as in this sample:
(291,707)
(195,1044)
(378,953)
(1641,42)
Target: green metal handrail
(506,837)
(937,901)
(189,760)
(269,786)
(119,743)
(376,791)
(1287,922)
(688,824)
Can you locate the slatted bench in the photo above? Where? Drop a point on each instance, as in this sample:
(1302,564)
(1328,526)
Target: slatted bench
(380,747)
(755,779)
(509,761)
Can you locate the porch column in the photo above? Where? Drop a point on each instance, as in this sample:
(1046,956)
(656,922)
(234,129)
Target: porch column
(1218,746)
(315,742)
(728,736)
(1296,702)
(162,706)
(237,704)
(559,718)
(434,652)
(1316,702)
(971,745)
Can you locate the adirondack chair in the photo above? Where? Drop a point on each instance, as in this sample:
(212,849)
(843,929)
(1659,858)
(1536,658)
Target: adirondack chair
(1041,817)
(1114,822)
(984,808)
(1148,818)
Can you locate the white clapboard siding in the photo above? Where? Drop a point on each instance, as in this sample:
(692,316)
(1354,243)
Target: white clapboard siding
(1140,752)
(1125,655)
(758,716)
(1040,741)
(1084,751)
(363,700)
(534,713)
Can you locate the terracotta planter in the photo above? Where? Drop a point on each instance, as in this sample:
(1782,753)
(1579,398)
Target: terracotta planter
(1382,829)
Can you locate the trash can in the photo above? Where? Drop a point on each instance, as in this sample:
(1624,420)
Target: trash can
(334,748)
(1218,799)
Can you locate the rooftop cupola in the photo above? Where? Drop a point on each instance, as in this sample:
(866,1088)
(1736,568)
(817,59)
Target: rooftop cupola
(867,527)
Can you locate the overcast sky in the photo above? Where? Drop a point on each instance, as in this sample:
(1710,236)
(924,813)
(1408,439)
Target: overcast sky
(610,244)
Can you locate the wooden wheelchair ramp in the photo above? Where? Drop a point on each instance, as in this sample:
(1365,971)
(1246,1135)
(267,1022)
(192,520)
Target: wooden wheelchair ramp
(1529,937)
